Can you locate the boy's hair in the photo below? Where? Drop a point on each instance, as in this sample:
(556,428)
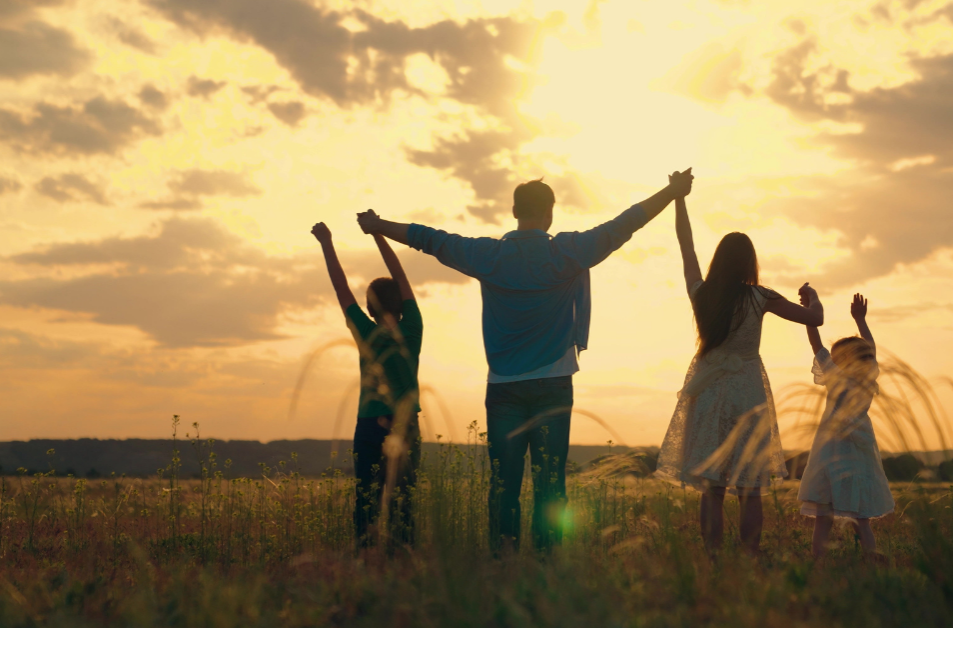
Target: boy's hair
(533,199)
(383,296)
(850,349)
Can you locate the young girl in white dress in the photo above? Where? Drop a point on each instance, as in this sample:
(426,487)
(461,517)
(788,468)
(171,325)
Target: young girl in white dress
(844,476)
(724,433)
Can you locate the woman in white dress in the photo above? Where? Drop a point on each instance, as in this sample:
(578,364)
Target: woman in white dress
(844,476)
(724,433)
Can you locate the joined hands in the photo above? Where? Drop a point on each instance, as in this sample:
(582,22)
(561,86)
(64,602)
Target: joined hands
(369,221)
(807,294)
(681,183)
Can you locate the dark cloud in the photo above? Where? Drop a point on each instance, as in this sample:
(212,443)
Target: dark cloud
(188,187)
(308,41)
(153,97)
(489,161)
(130,35)
(807,94)
(909,311)
(205,182)
(22,350)
(20,8)
(193,283)
(259,94)
(330,61)
(99,125)
(314,46)
(33,47)
(484,160)
(8,185)
(71,188)
(172,204)
(893,207)
(204,88)
(289,113)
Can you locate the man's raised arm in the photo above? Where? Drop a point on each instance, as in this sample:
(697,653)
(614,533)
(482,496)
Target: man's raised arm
(473,257)
(679,187)
(594,245)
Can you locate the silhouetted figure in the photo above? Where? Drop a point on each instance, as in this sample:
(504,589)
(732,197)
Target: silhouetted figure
(387,436)
(844,475)
(724,433)
(536,306)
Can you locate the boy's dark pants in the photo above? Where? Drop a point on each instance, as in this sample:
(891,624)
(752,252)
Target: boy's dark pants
(370,468)
(534,414)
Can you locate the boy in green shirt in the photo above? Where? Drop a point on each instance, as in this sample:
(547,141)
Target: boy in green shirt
(387,436)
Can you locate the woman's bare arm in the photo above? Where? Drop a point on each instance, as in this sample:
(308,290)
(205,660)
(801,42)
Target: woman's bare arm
(395,268)
(811,315)
(683,230)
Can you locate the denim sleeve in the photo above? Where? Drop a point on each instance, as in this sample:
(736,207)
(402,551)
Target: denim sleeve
(590,247)
(472,257)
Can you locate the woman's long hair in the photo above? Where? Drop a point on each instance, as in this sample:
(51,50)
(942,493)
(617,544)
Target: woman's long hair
(726,292)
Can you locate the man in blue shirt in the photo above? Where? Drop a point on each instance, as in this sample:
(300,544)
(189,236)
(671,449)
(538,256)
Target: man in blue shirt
(536,306)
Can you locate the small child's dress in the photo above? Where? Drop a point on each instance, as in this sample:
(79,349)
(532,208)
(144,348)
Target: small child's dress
(724,432)
(844,475)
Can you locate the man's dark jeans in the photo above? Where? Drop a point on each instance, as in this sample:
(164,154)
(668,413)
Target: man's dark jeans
(370,468)
(534,414)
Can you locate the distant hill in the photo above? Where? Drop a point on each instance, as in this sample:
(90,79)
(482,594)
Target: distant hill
(91,457)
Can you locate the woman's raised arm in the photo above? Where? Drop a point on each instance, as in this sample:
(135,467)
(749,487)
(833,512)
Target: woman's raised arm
(683,230)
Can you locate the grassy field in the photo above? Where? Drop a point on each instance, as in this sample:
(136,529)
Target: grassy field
(277,550)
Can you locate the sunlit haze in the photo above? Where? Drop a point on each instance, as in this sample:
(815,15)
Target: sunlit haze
(164,161)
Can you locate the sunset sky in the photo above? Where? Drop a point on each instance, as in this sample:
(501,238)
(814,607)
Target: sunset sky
(164,160)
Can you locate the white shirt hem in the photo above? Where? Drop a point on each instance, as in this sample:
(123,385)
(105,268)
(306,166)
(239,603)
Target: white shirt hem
(566,365)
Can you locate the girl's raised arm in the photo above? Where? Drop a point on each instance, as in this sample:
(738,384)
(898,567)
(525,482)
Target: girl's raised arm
(683,230)
(814,338)
(813,335)
(395,268)
(858,310)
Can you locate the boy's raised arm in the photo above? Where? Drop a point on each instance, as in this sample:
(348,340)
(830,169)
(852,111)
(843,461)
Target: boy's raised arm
(395,268)
(335,272)
(858,310)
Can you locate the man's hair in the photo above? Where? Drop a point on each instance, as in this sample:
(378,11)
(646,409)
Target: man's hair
(383,296)
(533,199)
